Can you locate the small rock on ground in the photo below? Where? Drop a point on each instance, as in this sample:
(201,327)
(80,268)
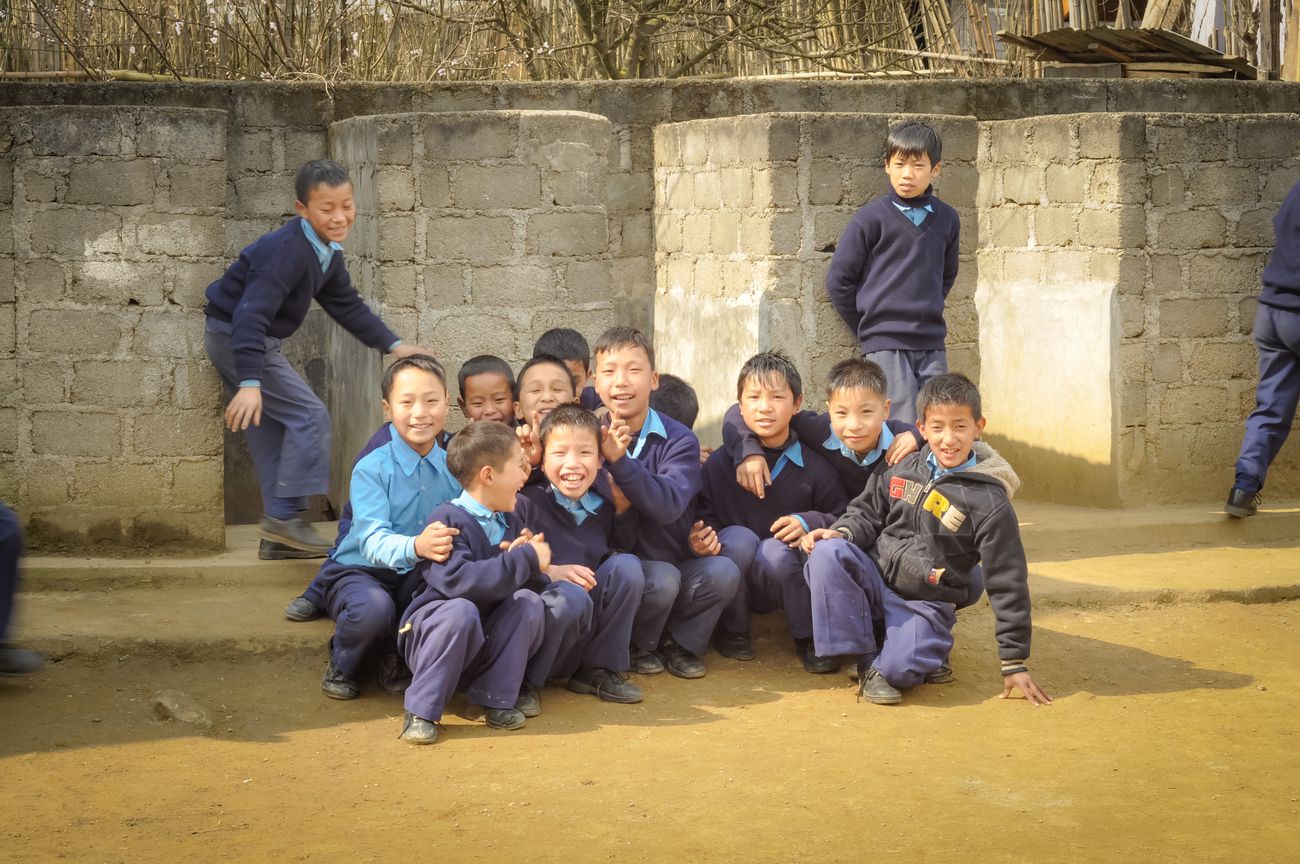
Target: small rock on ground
(181,707)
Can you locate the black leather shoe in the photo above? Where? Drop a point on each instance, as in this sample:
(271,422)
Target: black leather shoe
(875,689)
(680,662)
(504,718)
(1241,503)
(734,646)
(529,702)
(19,661)
(942,675)
(393,675)
(302,609)
(645,662)
(417,730)
(812,662)
(296,533)
(269,551)
(338,686)
(608,686)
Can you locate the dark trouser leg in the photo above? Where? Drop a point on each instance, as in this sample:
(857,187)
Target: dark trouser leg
(11,549)
(512,634)
(567,611)
(1277,336)
(620,585)
(739,545)
(364,617)
(776,582)
(900,381)
(842,581)
(918,639)
(708,586)
(662,581)
(438,642)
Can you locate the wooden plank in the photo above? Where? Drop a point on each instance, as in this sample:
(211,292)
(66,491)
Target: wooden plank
(1162,13)
(1110,52)
(1291,51)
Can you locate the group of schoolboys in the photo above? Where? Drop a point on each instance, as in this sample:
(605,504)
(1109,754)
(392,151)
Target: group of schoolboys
(547,542)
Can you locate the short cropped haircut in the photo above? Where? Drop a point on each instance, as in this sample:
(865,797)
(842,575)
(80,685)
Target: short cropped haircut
(487,442)
(415,361)
(565,343)
(770,368)
(484,364)
(677,399)
(856,373)
(319,172)
(912,139)
(538,361)
(623,337)
(952,388)
(569,417)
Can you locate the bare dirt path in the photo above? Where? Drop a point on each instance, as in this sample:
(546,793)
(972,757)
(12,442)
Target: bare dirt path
(1173,738)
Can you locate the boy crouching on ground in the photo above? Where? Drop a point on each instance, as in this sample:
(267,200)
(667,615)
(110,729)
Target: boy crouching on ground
(887,577)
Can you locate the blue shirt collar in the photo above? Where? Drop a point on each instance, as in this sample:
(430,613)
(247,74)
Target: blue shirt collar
(653,425)
(793,452)
(409,460)
(937,470)
(835,445)
(493,524)
(323,252)
(588,505)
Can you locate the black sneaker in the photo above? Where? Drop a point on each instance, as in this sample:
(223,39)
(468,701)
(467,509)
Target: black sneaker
(680,662)
(875,689)
(269,551)
(942,675)
(417,730)
(302,609)
(338,686)
(295,533)
(607,685)
(19,661)
(734,646)
(812,662)
(504,718)
(645,662)
(1241,503)
(393,676)
(529,702)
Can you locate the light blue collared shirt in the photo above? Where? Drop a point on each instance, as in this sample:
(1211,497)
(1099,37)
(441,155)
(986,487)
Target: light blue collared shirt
(654,425)
(937,470)
(493,524)
(394,491)
(793,452)
(835,445)
(588,505)
(323,252)
(916,214)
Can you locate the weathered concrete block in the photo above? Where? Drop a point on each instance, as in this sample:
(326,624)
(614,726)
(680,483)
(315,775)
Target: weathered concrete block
(184,134)
(1068,183)
(197,385)
(1220,361)
(825,182)
(1167,363)
(697,234)
(694,140)
(1112,137)
(395,189)
(567,234)
(44,382)
(114,383)
(1197,403)
(1054,225)
(249,152)
(1119,182)
(1221,273)
(1168,188)
(1120,228)
(42,181)
(630,191)
(463,335)
(501,287)
(469,136)
(43,280)
(1255,228)
(169,334)
(271,197)
(445,285)
(163,234)
(484,187)
(1024,185)
(587,281)
(1183,318)
(1223,184)
(1269,137)
(71,131)
(190,279)
(1188,138)
(435,187)
(76,233)
(708,190)
(1052,139)
(197,483)
(476,238)
(1168,274)
(8,430)
(7,288)
(637,234)
(679,191)
(1191,229)
(737,186)
(122,484)
(396,238)
(198,186)
(110,282)
(74,332)
(47,483)
(776,186)
(113,182)
(724,232)
(1006,226)
(177,433)
(62,433)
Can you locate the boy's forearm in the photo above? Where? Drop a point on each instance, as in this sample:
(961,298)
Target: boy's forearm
(661,498)
(1006,579)
(739,437)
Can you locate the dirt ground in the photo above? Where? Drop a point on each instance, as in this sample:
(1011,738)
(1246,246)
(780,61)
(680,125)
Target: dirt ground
(1173,738)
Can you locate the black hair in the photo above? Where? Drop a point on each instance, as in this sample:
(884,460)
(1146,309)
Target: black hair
(912,139)
(538,361)
(487,442)
(952,388)
(569,417)
(565,343)
(319,172)
(677,399)
(484,364)
(856,373)
(769,367)
(415,361)
(623,337)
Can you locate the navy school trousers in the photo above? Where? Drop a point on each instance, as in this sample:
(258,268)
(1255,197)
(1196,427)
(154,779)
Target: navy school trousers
(589,629)
(684,601)
(905,373)
(771,578)
(1277,336)
(364,603)
(11,549)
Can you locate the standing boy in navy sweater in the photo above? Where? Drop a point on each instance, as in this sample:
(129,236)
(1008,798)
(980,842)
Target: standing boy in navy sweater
(654,465)
(261,299)
(894,266)
(762,535)
(578,524)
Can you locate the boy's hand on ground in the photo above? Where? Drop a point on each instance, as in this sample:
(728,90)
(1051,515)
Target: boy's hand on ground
(621,502)
(581,576)
(543,550)
(705,453)
(408,350)
(1027,686)
(902,446)
(245,408)
(704,541)
(434,542)
(530,443)
(816,535)
(789,530)
(754,476)
(615,439)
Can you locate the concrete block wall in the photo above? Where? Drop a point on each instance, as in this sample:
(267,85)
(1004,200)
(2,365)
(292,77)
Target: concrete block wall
(109,413)
(477,232)
(748,211)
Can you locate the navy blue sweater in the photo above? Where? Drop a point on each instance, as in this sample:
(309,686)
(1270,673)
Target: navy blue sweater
(813,429)
(888,277)
(586,544)
(661,484)
(1281,276)
(269,288)
(813,492)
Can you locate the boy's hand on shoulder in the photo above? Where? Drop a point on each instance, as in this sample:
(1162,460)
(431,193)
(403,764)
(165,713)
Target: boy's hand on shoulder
(622,503)
(813,537)
(615,439)
(903,445)
(530,443)
(543,550)
(754,476)
(1022,681)
(789,530)
(705,453)
(579,575)
(435,541)
(704,541)
(408,350)
(245,408)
